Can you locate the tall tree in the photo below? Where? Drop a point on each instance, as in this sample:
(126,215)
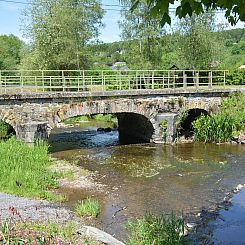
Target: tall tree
(198,44)
(60,30)
(10,52)
(143,35)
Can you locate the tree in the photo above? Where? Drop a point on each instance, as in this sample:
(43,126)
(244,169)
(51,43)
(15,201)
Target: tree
(234,9)
(60,31)
(10,52)
(199,45)
(143,34)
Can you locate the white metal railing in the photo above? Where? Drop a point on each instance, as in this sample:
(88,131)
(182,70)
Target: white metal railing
(17,81)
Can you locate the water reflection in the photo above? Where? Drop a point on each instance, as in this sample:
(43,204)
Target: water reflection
(158,178)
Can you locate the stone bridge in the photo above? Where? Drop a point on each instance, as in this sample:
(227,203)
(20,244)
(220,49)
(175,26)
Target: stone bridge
(139,112)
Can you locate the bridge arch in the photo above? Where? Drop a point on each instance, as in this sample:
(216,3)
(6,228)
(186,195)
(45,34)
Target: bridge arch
(192,115)
(7,128)
(135,124)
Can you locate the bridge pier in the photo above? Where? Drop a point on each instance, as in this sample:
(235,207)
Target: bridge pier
(31,131)
(165,128)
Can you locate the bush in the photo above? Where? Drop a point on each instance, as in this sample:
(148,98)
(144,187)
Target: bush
(236,77)
(157,230)
(5,130)
(217,128)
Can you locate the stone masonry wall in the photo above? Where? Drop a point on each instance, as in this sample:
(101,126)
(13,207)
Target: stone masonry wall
(34,118)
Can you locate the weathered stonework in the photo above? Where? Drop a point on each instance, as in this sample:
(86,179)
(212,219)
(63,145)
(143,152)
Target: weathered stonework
(34,115)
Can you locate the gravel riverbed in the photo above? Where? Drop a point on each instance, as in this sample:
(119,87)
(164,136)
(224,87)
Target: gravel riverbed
(33,210)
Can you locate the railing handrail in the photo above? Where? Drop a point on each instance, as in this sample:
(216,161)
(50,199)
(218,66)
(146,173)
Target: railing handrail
(102,80)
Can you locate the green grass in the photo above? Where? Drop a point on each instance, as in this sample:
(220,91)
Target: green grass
(157,230)
(24,169)
(88,207)
(222,126)
(13,232)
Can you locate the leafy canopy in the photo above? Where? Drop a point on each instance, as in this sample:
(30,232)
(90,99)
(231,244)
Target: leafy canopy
(234,9)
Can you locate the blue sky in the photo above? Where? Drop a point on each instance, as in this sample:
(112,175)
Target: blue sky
(10,20)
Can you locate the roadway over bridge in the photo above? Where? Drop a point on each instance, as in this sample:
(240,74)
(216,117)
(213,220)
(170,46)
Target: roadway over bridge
(34,104)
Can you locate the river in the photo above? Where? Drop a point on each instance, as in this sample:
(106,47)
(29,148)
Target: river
(183,178)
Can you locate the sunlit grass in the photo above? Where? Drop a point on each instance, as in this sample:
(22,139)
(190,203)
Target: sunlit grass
(156,229)
(24,169)
(88,207)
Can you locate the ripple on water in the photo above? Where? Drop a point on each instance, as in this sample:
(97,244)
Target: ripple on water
(158,178)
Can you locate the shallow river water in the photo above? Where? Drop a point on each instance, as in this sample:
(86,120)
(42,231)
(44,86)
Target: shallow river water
(184,178)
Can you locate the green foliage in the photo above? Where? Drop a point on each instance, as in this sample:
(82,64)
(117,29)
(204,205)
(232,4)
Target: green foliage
(234,106)
(143,35)
(160,9)
(5,130)
(60,31)
(10,52)
(157,230)
(217,128)
(236,77)
(199,47)
(222,126)
(24,169)
(88,207)
(164,127)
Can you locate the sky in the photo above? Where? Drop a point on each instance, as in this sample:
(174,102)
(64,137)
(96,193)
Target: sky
(10,19)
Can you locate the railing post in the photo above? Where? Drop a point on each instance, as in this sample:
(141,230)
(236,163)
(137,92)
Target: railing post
(63,80)
(163,81)
(184,80)
(197,79)
(21,81)
(83,80)
(174,79)
(102,81)
(168,78)
(43,80)
(224,77)
(35,79)
(5,87)
(210,79)
(152,80)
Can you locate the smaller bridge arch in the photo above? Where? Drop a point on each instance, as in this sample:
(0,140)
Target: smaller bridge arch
(192,115)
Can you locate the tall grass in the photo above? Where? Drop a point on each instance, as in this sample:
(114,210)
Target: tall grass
(24,169)
(88,207)
(217,128)
(221,127)
(158,230)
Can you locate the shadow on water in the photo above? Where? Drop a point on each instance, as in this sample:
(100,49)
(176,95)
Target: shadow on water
(157,178)
(225,228)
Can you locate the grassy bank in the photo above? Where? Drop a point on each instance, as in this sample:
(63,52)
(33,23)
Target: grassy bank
(24,169)
(157,230)
(228,123)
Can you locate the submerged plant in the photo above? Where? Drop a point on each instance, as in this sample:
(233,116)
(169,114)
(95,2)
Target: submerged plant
(156,229)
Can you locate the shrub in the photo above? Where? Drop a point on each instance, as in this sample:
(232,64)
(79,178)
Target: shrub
(217,128)
(5,130)
(157,230)
(236,77)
